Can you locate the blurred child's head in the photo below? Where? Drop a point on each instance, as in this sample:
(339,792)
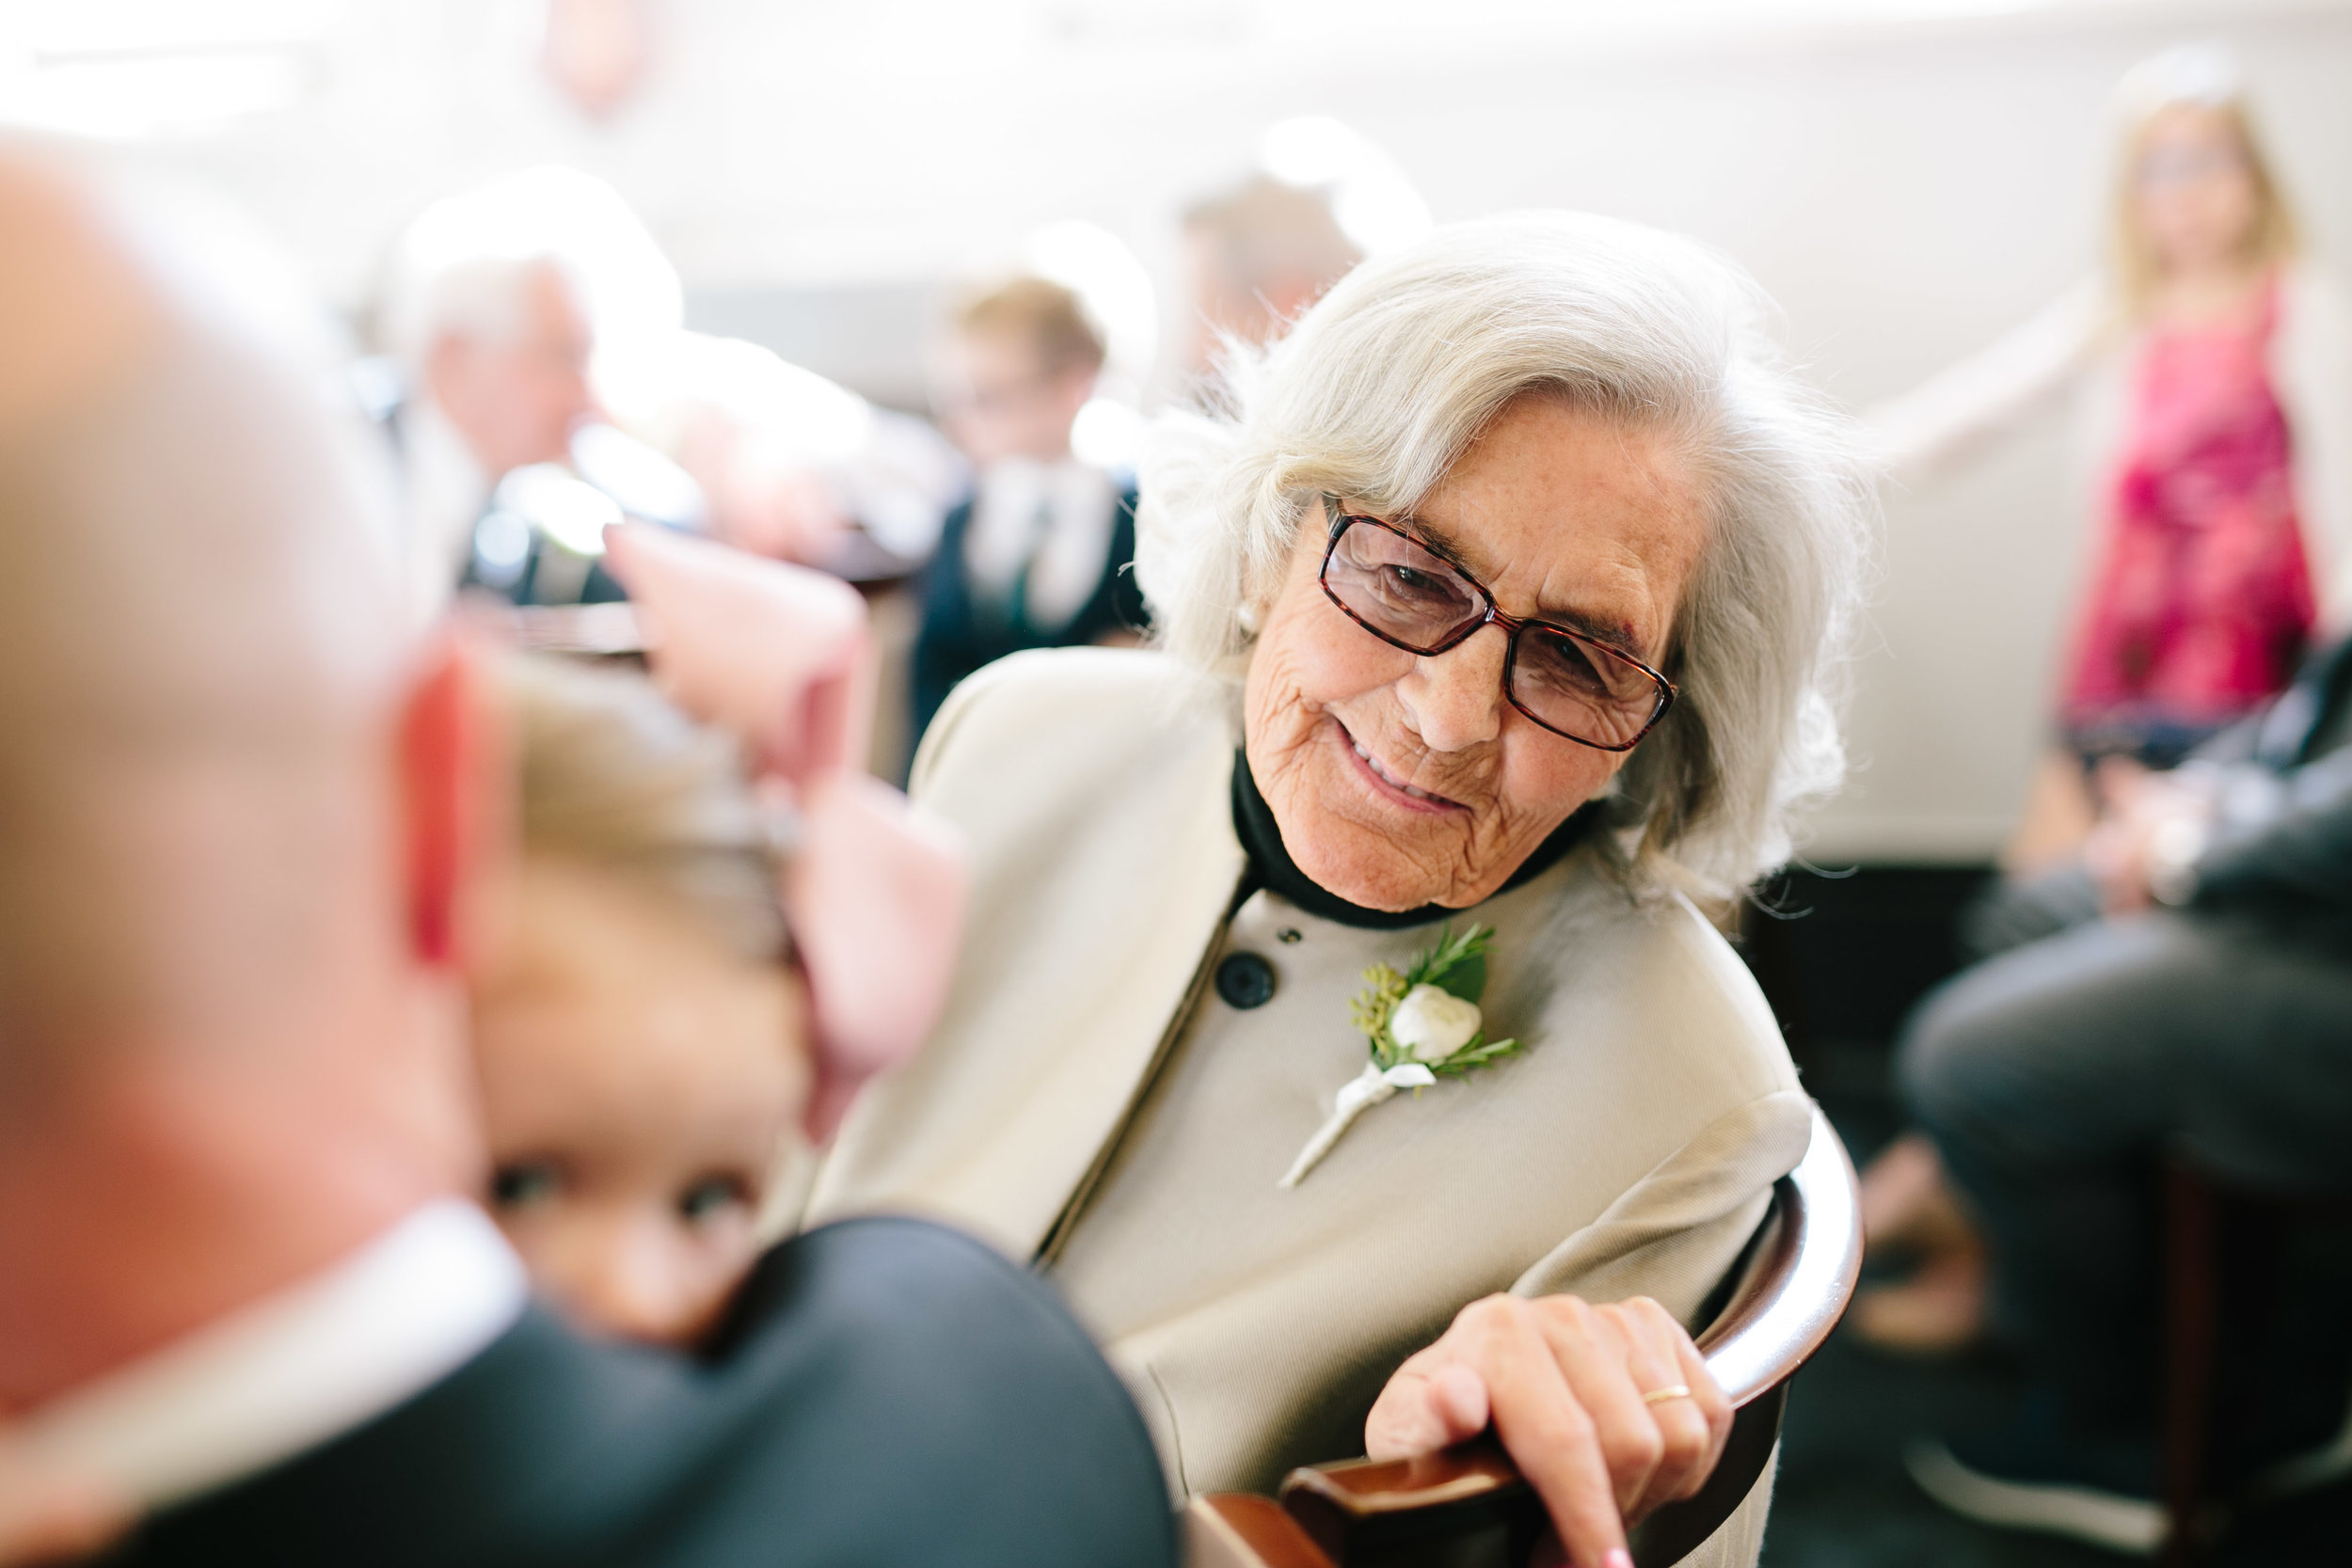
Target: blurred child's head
(1018,364)
(2196,189)
(641,1035)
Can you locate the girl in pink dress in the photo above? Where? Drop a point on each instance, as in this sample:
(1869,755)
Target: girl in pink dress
(2202,602)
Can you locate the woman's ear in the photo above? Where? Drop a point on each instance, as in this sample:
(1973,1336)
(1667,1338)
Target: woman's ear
(456,803)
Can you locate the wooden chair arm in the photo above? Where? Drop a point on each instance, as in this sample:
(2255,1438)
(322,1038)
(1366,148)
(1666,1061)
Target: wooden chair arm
(1241,1530)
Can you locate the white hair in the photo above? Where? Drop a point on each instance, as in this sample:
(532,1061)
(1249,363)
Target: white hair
(468,264)
(1385,382)
(486,300)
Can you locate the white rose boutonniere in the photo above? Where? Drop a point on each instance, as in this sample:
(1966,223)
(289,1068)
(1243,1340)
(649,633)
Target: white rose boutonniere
(1421,1024)
(1430,1024)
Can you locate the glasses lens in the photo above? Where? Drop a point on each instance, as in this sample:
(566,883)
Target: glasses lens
(1581,690)
(1397,588)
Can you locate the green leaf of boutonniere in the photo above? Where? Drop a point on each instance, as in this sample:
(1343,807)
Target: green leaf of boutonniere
(1457,965)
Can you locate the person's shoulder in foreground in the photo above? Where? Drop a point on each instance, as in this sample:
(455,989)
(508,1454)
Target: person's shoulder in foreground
(886,1392)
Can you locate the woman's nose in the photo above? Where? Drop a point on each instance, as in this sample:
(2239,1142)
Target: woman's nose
(1456,698)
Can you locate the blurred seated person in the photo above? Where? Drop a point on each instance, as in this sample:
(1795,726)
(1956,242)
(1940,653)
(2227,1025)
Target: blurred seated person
(507,465)
(246,866)
(1041,554)
(2185,986)
(1258,256)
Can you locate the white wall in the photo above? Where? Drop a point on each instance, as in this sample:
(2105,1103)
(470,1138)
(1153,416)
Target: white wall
(1908,177)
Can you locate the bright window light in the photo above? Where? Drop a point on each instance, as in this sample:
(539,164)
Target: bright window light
(1107,435)
(127,70)
(1094,264)
(1371,197)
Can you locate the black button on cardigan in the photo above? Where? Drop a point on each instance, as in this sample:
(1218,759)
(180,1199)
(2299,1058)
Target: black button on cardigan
(1245,980)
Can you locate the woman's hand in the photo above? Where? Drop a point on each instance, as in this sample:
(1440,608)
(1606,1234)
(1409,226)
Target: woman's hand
(1561,1383)
(49,1516)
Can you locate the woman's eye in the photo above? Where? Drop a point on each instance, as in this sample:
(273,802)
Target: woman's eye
(713,1195)
(1411,583)
(1562,666)
(525,1182)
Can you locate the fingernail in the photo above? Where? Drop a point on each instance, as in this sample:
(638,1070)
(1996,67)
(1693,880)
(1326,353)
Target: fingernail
(1618,1558)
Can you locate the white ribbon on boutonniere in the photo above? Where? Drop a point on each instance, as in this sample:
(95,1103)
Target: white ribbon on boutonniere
(1420,1024)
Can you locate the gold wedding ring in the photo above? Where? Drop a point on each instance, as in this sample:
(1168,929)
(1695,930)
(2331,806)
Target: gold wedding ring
(1672,1391)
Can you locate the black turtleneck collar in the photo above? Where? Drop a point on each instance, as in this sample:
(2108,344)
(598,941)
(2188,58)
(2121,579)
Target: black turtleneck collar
(1272,869)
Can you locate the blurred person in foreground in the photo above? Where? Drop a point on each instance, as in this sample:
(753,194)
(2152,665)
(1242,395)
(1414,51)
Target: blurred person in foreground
(1501,609)
(252,840)
(2212,372)
(1041,554)
(1258,256)
(2192,994)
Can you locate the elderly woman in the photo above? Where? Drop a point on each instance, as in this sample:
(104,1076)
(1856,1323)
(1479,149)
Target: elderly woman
(1337,967)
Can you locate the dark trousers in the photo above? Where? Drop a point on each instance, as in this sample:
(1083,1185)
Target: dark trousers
(2053,1075)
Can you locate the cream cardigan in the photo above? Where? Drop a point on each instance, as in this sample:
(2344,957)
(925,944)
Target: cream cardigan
(1091,1103)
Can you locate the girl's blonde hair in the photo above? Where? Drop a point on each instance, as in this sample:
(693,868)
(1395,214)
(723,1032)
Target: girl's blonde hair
(614,776)
(2197,76)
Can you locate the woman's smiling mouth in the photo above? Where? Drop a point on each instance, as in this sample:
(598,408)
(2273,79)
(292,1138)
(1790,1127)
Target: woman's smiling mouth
(1388,784)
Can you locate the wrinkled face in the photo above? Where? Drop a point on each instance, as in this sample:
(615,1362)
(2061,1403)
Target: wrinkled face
(637,1080)
(1400,780)
(2193,188)
(517,401)
(998,400)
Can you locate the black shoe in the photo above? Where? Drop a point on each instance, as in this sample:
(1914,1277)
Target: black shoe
(2032,1475)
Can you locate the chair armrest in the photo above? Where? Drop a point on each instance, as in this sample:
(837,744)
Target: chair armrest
(1240,1529)
(1798,1277)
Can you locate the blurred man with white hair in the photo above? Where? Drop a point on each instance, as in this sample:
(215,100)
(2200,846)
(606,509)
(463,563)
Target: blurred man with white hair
(496,303)
(496,349)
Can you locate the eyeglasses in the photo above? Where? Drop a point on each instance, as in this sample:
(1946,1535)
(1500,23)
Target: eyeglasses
(1398,590)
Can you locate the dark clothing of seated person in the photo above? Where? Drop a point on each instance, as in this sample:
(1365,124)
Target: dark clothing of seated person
(1041,553)
(2194,996)
(885,1392)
